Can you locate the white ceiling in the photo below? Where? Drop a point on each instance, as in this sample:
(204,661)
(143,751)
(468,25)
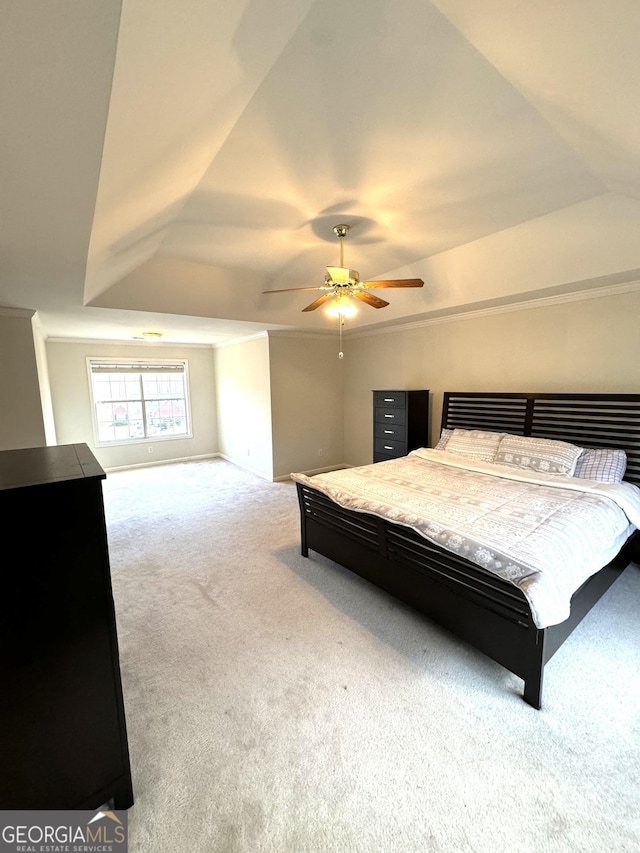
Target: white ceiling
(165,162)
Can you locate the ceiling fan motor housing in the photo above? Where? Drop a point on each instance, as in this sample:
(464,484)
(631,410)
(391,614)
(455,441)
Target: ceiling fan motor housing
(342,276)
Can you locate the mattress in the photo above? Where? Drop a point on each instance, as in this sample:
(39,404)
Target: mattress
(546,534)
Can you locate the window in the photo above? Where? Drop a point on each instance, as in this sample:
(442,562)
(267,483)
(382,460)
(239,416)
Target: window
(139,400)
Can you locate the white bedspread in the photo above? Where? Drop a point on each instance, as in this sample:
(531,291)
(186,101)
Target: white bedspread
(545,533)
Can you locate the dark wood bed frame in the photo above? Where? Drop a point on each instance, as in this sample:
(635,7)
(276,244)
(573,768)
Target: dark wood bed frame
(476,605)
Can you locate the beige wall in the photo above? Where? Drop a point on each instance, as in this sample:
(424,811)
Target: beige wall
(72,403)
(244,404)
(592,345)
(42,366)
(277,399)
(21,418)
(306,403)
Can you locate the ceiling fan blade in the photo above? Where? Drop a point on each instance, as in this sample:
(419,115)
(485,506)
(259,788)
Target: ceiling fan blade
(398,282)
(292,289)
(369,298)
(318,302)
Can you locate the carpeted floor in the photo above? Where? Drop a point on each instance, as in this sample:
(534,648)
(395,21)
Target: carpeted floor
(276,703)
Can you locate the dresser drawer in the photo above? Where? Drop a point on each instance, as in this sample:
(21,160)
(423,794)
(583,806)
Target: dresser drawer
(387,399)
(390,448)
(390,416)
(390,430)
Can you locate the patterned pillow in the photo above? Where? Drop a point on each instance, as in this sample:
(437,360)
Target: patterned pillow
(445,435)
(538,454)
(602,464)
(475,444)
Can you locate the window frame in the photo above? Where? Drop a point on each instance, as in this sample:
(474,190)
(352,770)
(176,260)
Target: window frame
(132,363)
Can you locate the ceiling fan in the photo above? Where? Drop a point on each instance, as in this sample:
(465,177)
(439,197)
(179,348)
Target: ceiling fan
(342,284)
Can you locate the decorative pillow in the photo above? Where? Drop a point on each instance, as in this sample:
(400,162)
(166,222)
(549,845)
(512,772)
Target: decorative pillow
(475,444)
(539,454)
(602,464)
(445,435)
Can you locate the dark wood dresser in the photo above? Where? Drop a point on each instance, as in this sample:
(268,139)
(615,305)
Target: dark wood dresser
(400,423)
(63,740)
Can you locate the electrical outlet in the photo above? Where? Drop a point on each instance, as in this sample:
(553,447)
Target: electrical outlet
(150,448)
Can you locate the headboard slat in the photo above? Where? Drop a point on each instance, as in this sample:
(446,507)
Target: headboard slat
(589,420)
(496,413)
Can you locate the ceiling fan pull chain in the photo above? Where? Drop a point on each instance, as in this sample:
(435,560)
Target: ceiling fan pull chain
(341,319)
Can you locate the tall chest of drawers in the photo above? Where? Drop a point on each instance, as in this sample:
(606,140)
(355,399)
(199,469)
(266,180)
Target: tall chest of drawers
(400,423)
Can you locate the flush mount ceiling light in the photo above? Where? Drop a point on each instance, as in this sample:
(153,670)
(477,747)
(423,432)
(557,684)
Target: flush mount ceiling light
(152,336)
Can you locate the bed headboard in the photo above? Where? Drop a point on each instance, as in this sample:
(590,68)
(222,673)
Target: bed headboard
(589,420)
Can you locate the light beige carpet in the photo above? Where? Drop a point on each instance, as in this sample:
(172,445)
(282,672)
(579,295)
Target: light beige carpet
(276,703)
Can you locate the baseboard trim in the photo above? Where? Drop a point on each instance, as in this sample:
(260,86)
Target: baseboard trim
(313,471)
(245,467)
(155,463)
(280,479)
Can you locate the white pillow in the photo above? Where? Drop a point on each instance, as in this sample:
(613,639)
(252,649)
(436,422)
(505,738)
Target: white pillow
(475,444)
(545,455)
(601,464)
(445,435)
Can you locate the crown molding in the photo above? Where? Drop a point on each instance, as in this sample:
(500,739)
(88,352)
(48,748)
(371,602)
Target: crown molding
(243,340)
(128,343)
(525,305)
(277,333)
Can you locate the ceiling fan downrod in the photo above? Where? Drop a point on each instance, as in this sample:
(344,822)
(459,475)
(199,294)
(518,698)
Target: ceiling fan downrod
(341,231)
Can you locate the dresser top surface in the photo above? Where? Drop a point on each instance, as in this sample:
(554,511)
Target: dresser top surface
(33,466)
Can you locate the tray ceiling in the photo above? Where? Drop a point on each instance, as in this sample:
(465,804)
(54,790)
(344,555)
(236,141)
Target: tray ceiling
(166,162)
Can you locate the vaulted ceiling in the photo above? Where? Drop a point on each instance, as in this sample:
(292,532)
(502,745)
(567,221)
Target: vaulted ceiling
(163,163)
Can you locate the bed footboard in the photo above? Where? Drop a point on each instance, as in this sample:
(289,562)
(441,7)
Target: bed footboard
(476,605)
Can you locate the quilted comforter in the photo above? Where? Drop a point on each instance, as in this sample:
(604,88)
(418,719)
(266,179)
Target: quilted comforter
(545,533)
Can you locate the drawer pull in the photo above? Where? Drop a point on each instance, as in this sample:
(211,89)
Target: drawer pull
(388,432)
(389,416)
(389,399)
(388,447)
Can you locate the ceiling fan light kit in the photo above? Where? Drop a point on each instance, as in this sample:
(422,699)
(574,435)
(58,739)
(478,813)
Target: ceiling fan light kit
(341,306)
(342,285)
